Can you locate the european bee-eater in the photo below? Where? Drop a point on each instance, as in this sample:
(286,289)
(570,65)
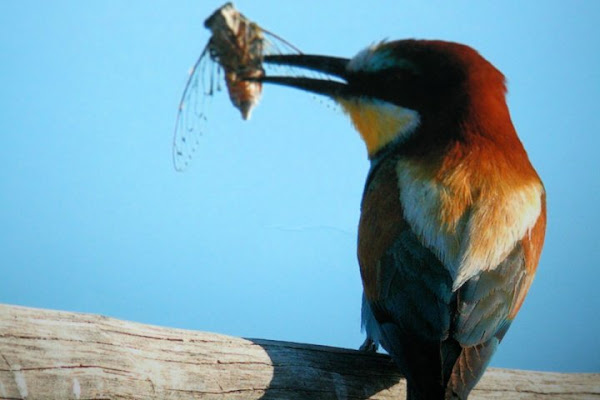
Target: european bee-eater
(453,214)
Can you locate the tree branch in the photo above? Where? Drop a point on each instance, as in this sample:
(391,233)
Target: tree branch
(47,354)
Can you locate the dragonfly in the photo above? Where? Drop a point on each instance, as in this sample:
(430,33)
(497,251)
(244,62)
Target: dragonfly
(234,53)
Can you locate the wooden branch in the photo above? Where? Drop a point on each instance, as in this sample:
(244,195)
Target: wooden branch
(60,355)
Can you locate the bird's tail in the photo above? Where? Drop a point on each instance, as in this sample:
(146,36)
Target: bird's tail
(459,368)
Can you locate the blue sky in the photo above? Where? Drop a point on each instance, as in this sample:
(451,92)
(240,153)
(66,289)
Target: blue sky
(257,238)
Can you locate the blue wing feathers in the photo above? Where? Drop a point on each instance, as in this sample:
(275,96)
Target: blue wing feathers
(442,340)
(485,301)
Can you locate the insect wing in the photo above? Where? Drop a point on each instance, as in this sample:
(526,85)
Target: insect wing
(193,112)
(275,44)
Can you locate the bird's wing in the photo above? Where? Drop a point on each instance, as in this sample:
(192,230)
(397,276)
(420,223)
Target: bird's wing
(486,306)
(492,296)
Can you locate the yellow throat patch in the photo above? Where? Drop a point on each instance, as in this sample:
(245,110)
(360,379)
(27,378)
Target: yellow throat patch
(378,121)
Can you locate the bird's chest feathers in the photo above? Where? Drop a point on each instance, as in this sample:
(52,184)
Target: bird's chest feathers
(471,223)
(378,122)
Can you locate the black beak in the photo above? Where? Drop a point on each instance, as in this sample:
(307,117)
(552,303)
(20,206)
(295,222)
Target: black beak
(332,66)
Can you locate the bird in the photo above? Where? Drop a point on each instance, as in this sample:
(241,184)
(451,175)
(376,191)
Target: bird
(453,214)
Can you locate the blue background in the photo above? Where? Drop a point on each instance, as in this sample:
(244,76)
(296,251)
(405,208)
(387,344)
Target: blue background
(257,238)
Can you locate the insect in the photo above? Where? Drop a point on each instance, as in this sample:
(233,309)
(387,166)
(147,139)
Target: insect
(236,50)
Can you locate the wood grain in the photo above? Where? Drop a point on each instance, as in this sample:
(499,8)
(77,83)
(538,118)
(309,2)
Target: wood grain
(46,354)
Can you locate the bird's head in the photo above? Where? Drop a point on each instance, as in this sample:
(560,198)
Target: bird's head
(416,93)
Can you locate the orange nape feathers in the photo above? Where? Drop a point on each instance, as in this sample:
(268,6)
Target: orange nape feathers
(471,205)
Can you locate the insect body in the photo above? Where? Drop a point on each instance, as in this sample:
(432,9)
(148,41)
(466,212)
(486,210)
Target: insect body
(237,47)
(237,44)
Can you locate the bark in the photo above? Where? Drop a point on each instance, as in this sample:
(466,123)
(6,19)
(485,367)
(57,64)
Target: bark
(47,354)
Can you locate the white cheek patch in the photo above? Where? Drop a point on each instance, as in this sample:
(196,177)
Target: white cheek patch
(482,237)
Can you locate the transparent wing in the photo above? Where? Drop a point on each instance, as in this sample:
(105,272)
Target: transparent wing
(193,112)
(275,44)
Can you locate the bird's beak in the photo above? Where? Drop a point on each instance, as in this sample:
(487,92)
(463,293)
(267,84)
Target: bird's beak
(334,67)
